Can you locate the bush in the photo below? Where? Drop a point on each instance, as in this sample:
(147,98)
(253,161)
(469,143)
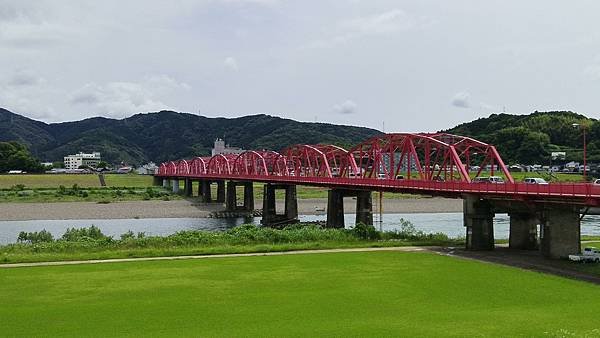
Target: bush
(35,237)
(364,231)
(128,235)
(18,187)
(74,235)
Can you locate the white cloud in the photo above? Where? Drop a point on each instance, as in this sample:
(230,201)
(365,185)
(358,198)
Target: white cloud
(389,22)
(121,99)
(346,107)
(461,100)
(231,63)
(592,71)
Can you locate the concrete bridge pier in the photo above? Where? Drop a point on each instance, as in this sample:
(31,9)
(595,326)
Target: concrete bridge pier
(231,200)
(220,191)
(270,215)
(204,191)
(335,207)
(165,183)
(175,184)
(187,187)
(523,231)
(478,217)
(560,231)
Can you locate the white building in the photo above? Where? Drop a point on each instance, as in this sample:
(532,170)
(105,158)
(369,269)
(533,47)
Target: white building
(224,149)
(77,160)
(147,169)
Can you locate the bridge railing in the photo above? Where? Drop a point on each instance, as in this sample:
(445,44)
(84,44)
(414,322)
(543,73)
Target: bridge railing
(423,186)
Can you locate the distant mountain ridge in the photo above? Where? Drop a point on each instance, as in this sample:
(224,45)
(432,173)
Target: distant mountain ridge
(167,135)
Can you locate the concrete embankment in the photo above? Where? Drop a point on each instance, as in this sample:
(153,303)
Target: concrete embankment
(192,208)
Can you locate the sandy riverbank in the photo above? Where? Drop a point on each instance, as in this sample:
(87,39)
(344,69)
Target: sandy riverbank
(190,209)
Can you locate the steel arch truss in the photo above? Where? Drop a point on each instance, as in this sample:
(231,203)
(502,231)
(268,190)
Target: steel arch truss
(221,164)
(199,165)
(183,168)
(424,156)
(260,163)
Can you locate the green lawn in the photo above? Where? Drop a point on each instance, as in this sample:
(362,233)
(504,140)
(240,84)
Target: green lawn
(344,294)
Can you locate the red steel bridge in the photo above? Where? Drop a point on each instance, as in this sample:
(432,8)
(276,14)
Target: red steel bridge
(417,163)
(544,216)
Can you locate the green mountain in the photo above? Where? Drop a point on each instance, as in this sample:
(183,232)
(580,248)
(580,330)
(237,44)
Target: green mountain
(531,138)
(167,135)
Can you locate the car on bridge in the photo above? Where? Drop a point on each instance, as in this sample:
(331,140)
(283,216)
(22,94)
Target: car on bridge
(490,179)
(535,180)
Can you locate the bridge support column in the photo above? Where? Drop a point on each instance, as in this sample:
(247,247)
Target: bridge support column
(187,187)
(364,207)
(231,199)
(205,191)
(560,231)
(479,222)
(165,183)
(156,181)
(523,231)
(335,207)
(220,191)
(175,184)
(270,216)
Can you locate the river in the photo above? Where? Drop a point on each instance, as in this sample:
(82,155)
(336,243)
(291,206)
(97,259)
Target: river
(449,223)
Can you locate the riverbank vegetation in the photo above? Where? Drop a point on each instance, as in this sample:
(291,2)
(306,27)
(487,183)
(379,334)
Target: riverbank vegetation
(366,294)
(91,243)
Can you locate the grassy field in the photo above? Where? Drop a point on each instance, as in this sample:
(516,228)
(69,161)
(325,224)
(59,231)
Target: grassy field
(343,294)
(82,180)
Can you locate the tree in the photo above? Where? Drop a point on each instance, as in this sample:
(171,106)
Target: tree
(16,156)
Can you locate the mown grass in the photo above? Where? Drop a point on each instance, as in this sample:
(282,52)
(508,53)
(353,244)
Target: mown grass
(90,243)
(372,294)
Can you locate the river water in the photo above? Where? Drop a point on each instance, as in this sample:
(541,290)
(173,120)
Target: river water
(449,223)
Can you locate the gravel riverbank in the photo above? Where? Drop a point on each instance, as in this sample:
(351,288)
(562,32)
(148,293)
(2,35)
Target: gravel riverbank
(192,208)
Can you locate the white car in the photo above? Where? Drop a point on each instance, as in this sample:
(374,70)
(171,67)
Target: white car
(597,181)
(590,255)
(535,180)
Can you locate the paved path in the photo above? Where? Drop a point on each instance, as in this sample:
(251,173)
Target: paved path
(168,258)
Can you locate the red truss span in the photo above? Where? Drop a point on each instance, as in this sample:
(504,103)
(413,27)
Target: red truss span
(421,163)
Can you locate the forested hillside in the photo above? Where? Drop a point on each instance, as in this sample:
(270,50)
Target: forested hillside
(168,135)
(530,138)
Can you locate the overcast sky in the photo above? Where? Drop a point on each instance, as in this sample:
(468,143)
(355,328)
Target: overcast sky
(415,65)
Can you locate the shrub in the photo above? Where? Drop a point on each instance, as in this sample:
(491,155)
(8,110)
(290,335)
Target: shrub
(74,235)
(364,231)
(18,187)
(35,237)
(128,235)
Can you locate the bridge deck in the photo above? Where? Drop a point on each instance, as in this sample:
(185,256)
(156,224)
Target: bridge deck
(578,193)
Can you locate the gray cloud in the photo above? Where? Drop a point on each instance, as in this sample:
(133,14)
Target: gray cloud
(121,99)
(346,107)
(461,100)
(25,78)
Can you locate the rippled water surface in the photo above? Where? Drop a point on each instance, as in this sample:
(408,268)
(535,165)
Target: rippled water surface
(448,223)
